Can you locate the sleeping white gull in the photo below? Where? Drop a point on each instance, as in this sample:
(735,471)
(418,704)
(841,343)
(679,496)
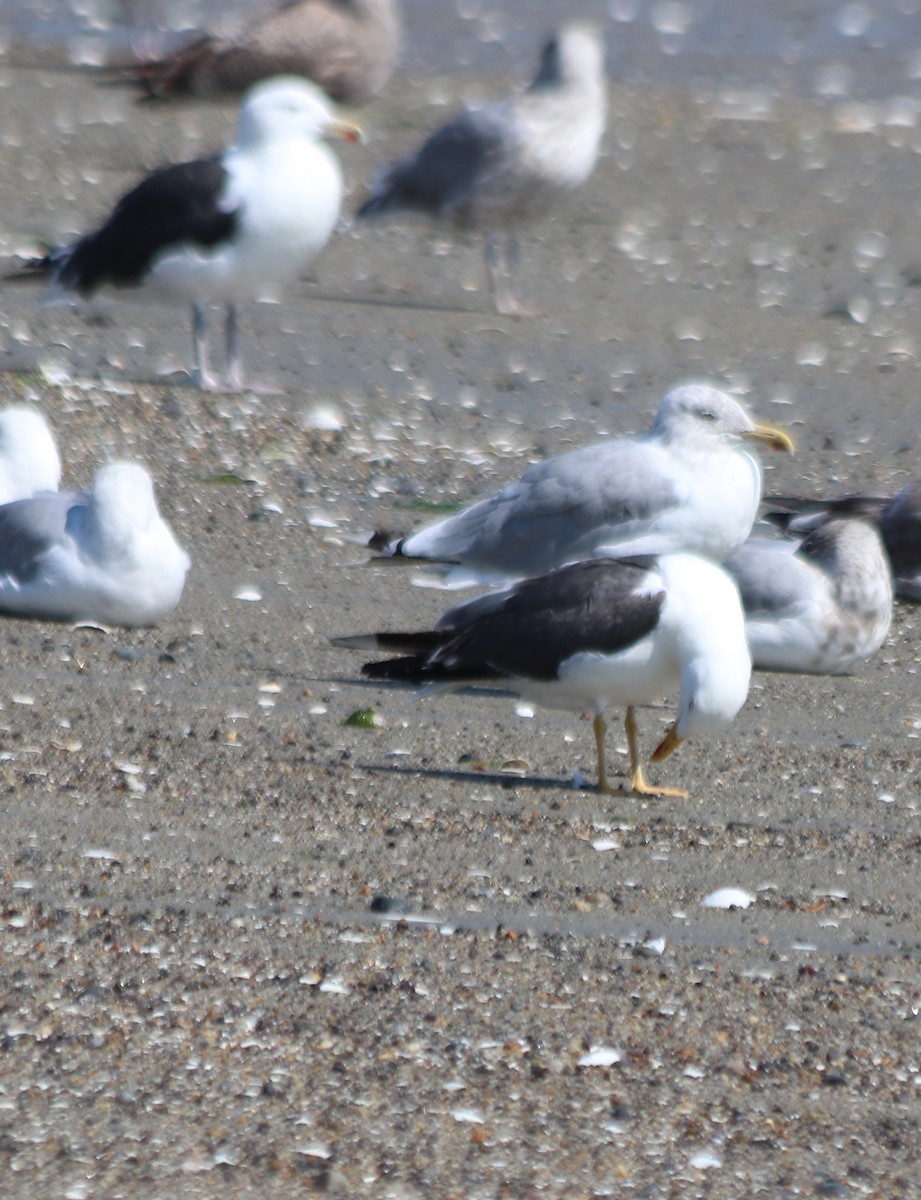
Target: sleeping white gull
(29,460)
(897,517)
(102,555)
(347,47)
(689,484)
(224,229)
(820,606)
(496,168)
(595,634)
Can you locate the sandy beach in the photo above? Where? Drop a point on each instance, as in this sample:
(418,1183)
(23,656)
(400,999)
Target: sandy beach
(254,949)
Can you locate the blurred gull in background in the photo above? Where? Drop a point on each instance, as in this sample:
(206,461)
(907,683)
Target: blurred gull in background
(493,169)
(101,555)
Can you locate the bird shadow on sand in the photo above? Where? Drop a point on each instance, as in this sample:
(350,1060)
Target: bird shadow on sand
(413,690)
(494,778)
(402,304)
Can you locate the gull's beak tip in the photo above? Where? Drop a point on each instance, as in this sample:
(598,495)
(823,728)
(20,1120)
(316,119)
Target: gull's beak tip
(777,439)
(667,746)
(347,131)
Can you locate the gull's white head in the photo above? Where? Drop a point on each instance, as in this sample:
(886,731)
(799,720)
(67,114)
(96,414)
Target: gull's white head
(128,483)
(287,107)
(121,508)
(139,566)
(704,614)
(29,460)
(703,413)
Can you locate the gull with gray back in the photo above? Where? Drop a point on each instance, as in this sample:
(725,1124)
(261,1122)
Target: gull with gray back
(497,168)
(101,555)
(689,484)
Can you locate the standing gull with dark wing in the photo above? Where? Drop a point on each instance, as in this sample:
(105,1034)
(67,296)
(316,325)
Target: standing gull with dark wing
(898,518)
(101,555)
(347,47)
(688,484)
(820,606)
(596,634)
(496,168)
(224,229)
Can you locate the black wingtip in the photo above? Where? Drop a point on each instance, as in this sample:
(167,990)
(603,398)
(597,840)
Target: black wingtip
(398,670)
(376,206)
(387,542)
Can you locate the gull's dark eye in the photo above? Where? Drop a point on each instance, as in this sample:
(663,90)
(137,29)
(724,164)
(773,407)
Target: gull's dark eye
(705,415)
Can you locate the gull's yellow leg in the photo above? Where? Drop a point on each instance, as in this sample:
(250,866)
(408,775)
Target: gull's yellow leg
(600,729)
(638,784)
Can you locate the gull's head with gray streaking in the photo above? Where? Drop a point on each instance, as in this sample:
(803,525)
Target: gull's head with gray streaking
(701,413)
(897,517)
(29,459)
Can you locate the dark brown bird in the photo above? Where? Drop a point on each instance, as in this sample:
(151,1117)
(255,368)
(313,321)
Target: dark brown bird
(348,47)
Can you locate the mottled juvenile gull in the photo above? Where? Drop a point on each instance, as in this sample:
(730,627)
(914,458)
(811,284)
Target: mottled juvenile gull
(822,605)
(495,168)
(102,555)
(689,484)
(224,229)
(898,518)
(595,634)
(29,460)
(347,47)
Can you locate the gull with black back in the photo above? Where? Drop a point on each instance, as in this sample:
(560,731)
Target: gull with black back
(224,229)
(594,635)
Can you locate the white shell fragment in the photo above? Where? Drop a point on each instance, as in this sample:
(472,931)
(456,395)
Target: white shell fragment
(705,1160)
(728,897)
(600,1056)
(468,1116)
(603,844)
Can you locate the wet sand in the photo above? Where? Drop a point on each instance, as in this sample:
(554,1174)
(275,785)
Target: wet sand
(250,948)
